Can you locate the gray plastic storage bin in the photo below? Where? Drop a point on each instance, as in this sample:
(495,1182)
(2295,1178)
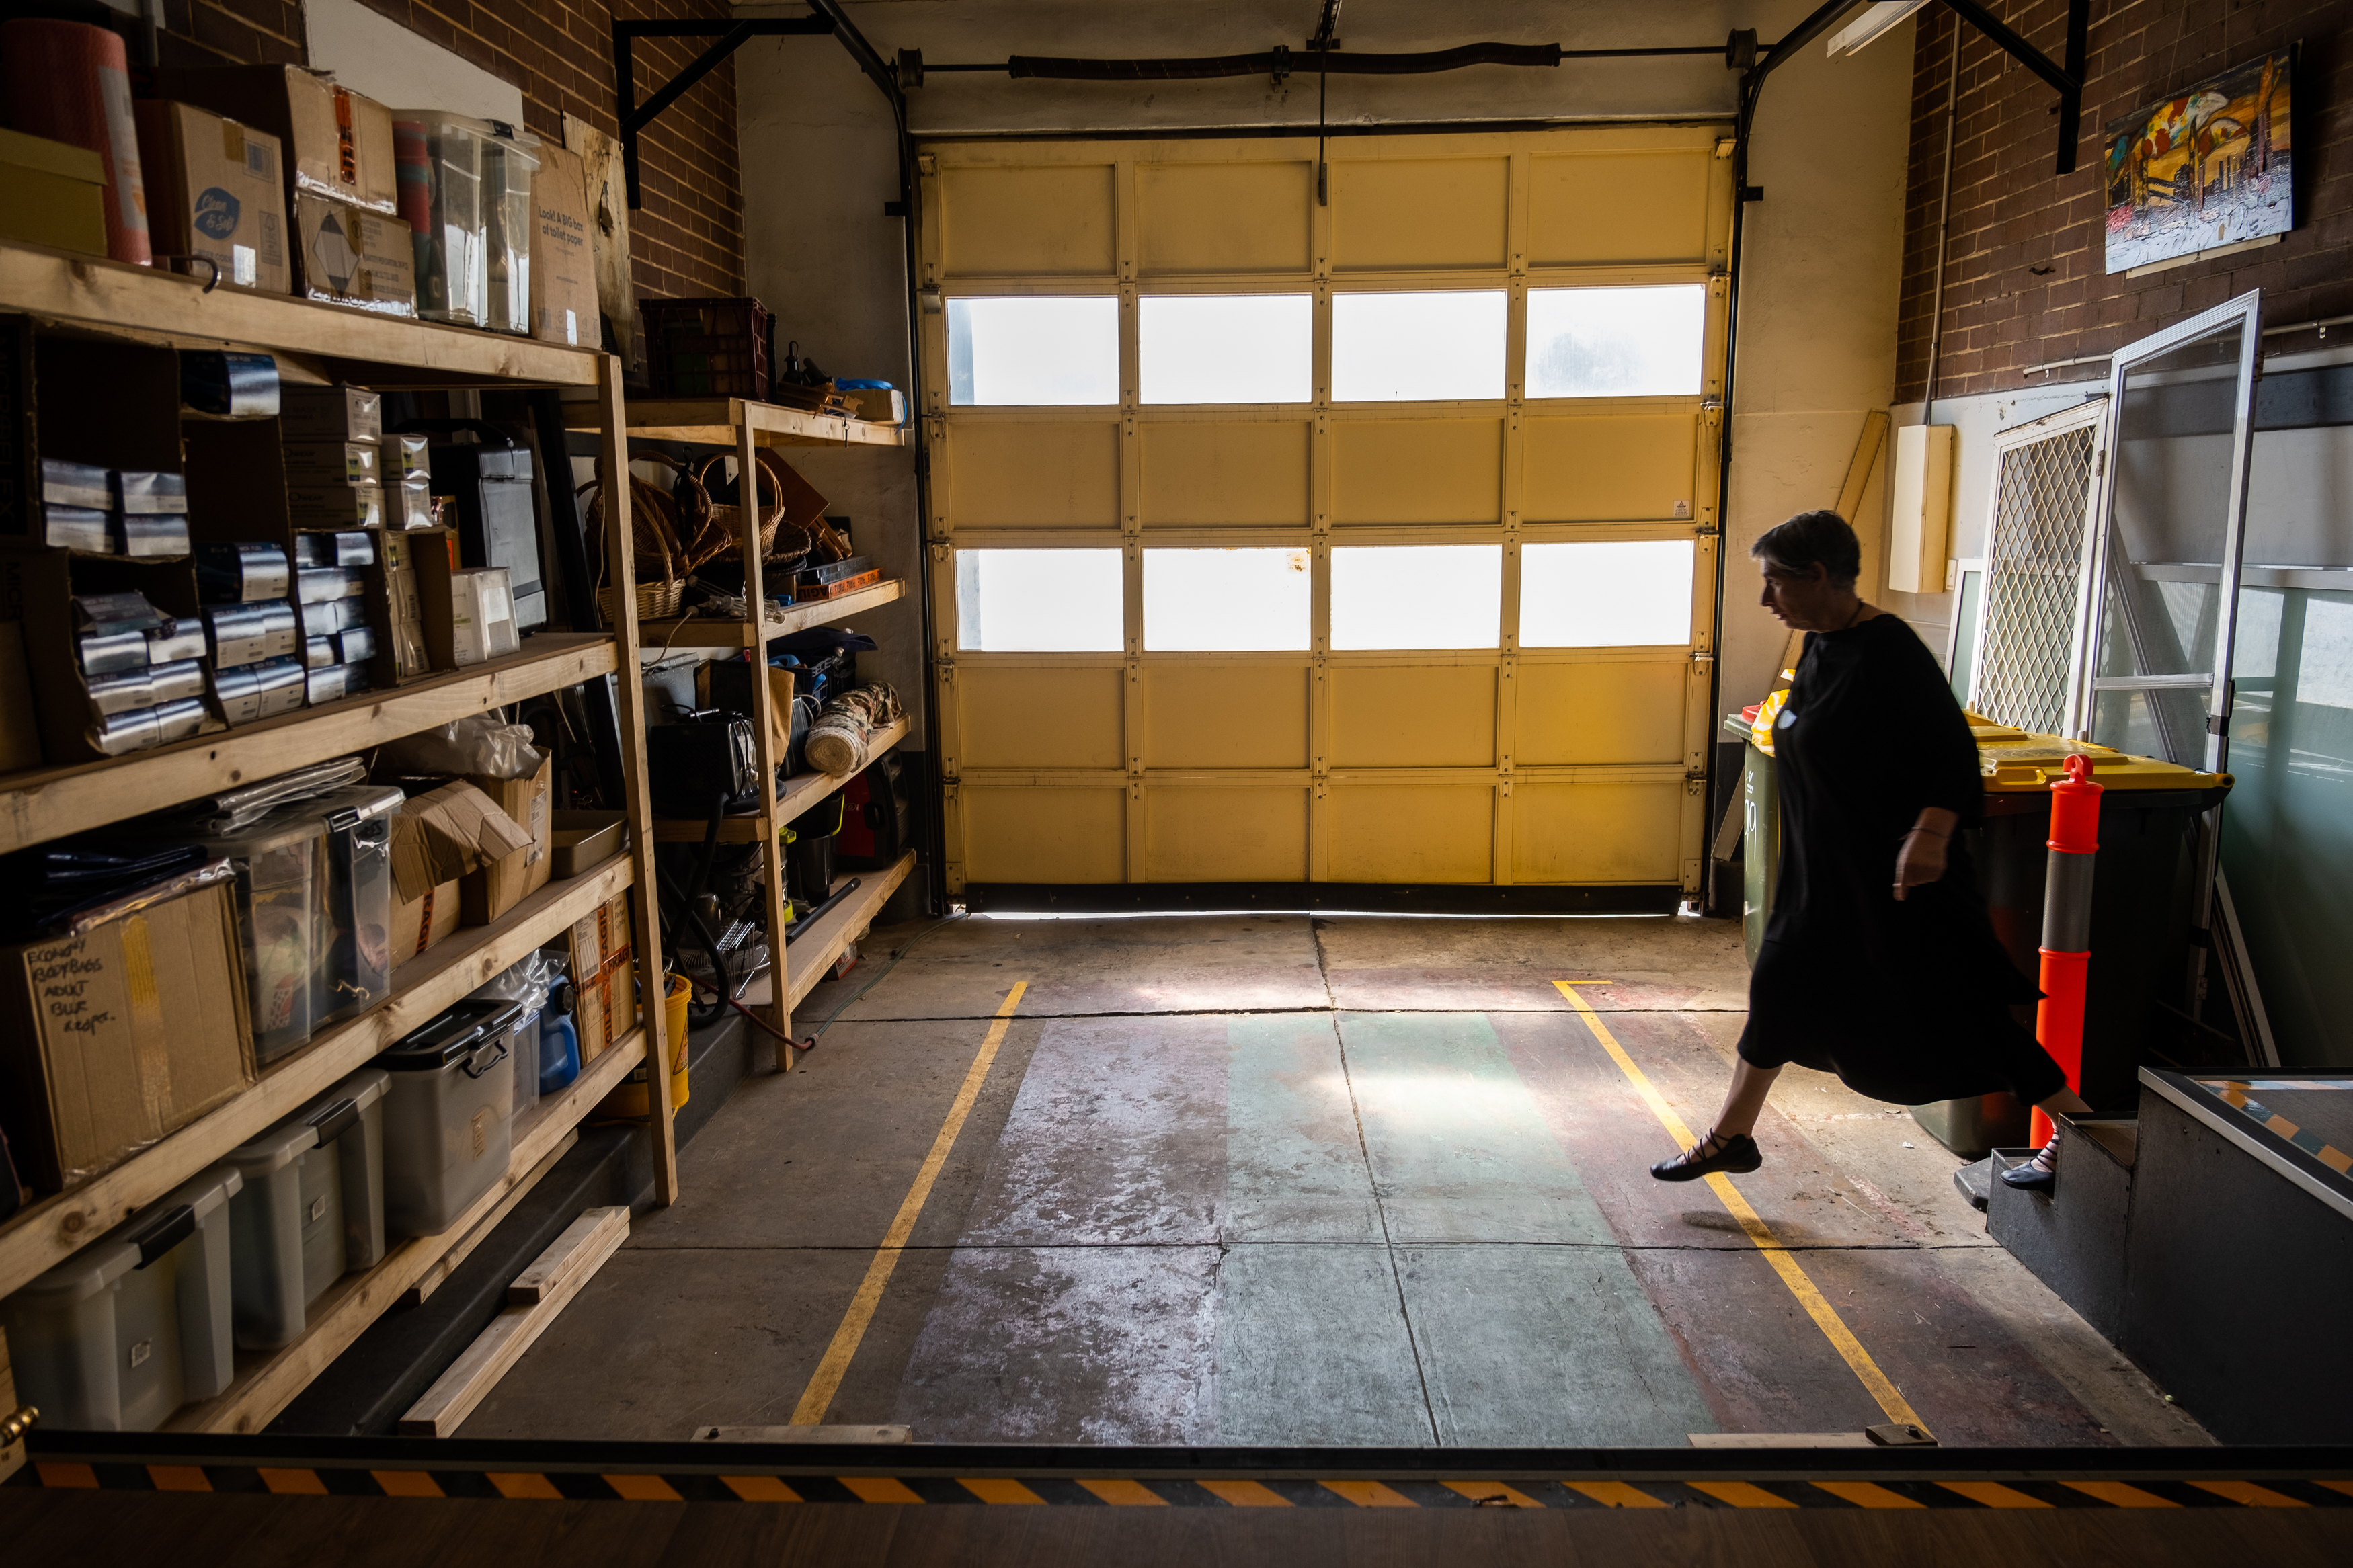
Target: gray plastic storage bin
(135,1325)
(355,917)
(449,1119)
(313,1208)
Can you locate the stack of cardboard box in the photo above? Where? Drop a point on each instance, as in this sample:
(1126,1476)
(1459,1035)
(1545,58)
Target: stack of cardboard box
(604,978)
(334,151)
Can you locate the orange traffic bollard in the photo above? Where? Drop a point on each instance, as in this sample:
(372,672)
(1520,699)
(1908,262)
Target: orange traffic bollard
(2067,926)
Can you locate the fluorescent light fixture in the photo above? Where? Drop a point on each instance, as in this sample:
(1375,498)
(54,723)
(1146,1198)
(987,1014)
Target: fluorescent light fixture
(1867,28)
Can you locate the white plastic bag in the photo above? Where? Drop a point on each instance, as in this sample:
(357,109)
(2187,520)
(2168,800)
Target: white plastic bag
(481,745)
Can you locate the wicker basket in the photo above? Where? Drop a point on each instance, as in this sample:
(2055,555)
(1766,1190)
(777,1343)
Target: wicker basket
(781,543)
(655,522)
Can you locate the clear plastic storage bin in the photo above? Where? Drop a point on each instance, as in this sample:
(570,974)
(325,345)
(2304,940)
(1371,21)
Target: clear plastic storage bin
(312,1211)
(449,1122)
(507,223)
(354,929)
(472,229)
(135,1325)
(279,863)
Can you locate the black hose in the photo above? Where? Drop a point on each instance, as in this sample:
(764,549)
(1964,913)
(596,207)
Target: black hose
(810,919)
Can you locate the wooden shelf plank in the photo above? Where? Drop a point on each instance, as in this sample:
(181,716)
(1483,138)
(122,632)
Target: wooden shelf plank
(799,793)
(658,636)
(807,961)
(152,304)
(267,1381)
(50,1230)
(711,421)
(51,803)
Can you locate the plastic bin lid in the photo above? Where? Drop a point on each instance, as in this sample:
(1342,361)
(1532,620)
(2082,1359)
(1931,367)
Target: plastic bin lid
(171,1219)
(451,1038)
(336,1109)
(274,1149)
(79,1277)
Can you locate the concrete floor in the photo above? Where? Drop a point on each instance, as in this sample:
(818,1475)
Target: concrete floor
(1339,1180)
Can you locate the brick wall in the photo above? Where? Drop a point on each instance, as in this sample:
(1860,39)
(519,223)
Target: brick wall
(2024,272)
(688,238)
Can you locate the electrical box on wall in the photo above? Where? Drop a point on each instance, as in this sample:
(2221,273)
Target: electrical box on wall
(1923,511)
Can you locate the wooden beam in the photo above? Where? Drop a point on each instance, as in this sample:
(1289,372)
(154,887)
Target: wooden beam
(553,1272)
(556,1276)
(1866,455)
(715,633)
(630,695)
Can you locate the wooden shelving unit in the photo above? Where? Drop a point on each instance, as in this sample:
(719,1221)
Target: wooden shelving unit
(746,427)
(71,295)
(830,934)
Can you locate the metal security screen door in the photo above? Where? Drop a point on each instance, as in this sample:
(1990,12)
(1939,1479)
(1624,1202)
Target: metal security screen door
(2030,607)
(1280,543)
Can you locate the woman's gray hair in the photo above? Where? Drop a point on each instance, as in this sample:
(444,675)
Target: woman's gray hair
(1808,539)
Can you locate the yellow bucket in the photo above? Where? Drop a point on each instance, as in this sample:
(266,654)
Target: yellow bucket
(628,1099)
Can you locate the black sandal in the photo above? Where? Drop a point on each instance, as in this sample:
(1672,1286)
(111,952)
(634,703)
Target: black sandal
(1737,1155)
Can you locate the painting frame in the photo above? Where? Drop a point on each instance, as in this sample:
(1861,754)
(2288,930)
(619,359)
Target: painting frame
(2211,166)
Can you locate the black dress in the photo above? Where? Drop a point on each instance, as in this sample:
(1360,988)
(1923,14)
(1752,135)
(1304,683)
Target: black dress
(1905,1002)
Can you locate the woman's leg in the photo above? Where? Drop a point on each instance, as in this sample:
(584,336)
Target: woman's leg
(2042,1173)
(1728,1145)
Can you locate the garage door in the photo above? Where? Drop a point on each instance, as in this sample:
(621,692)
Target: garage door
(1367,542)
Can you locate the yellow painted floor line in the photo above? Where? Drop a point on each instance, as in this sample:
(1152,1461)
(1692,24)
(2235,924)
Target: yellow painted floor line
(1784,1262)
(827,1380)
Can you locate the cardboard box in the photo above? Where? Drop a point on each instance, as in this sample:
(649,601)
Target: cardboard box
(880,404)
(330,413)
(346,256)
(395,605)
(337,142)
(54,194)
(563,265)
(119,1036)
(578,840)
(606,1009)
(418,923)
(499,887)
(442,835)
(215,190)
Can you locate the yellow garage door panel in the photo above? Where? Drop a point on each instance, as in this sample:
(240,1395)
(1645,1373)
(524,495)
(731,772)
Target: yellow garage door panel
(1419,213)
(1423,470)
(1225,715)
(1032,718)
(1050,222)
(1065,834)
(1226,217)
(1611,466)
(1596,832)
(1033,476)
(1436,715)
(1196,474)
(1655,205)
(1232,834)
(1412,833)
(1611,713)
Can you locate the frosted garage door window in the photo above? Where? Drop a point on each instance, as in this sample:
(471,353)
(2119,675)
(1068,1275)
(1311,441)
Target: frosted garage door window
(1622,594)
(1400,348)
(1228,348)
(1225,600)
(1417,595)
(1040,601)
(1033,352)
(1616,342)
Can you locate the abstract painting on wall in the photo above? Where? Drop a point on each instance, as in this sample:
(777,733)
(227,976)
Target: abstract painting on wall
(2205,168)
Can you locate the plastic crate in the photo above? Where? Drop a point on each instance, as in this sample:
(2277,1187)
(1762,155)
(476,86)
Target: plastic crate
(707,348)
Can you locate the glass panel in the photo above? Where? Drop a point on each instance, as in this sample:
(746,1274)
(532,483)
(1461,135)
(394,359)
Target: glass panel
(1394,348)
(1205,601)
(2169,539)
(1417,595)
(2288,833)
(1228,348)
(1040,601)
(1616,342)
(1034,352)
(1966,606)
(1627,593)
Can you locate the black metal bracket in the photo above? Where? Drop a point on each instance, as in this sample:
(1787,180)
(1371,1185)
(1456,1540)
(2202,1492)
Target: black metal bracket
(731,35)
(2067,78)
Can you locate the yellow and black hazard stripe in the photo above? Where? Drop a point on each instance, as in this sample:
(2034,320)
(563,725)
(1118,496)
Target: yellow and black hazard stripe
(1089,1490)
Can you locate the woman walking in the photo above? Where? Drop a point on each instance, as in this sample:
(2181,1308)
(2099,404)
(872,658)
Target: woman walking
(1878,963)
